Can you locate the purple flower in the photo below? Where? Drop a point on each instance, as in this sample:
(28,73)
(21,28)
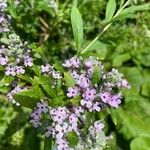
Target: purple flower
(42,107)
(98,126)
(3,60)
(105,97)
(89,94)
(62,145)
(89,63)
(50,131)
(115,100)
(56,75)
(86,103)
(75,62)
(28,61)
(45,69)
(95,107)
(74,74)
(124,83)
(83,81)
(73,91)
(9,70)
(19,70)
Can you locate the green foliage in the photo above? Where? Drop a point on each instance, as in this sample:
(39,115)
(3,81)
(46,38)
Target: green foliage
(125,44)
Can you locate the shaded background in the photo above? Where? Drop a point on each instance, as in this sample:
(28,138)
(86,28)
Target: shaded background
(125,45)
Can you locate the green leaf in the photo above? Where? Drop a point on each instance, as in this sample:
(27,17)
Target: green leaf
(69,80)
(96,76)
(146,89)
(119,59)
(140,143)
(25,77)
(76,100)
(72,138)
(134,9)
(4,89)
(110,10)
(57,101)
(47,144)
(47,87)
(77,26)
(27,98)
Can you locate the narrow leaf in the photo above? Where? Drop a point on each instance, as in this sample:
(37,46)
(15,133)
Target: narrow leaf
(77,26)
(134,9)
(96,76)
(110,10)
(72,138)
(69,80)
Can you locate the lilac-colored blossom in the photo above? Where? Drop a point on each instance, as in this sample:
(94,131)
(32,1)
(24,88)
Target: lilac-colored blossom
(89,94)
(73,91)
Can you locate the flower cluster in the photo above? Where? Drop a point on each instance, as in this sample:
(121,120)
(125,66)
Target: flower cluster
(61,121)
(94,95)
(4,18)
(94,89)
(14,55)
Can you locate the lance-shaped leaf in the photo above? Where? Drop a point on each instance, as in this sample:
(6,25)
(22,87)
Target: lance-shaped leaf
(72,138)
(77,27)
(110,10)
(69,80)
(96,76)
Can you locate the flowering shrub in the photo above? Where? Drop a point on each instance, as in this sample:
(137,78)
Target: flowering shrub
(68,101)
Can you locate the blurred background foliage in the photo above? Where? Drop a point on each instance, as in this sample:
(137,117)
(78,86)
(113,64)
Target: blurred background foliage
(46,26)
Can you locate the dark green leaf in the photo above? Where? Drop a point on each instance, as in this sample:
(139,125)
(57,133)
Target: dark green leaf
(27,98)
(47,144)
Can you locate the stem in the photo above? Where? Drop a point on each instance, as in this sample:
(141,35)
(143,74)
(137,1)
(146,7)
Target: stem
(106,27)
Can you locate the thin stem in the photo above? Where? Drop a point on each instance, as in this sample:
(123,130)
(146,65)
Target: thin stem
(105,28)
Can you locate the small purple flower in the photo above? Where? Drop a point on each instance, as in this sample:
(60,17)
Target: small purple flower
(98,126)
(105,97)
(74,74)
(89,94)
(83,81)
(19,70)
(86,103)
(115,100)
(124,83)
(89,63)
(95,107)
(56,75)
(75,62)
(3,60)
(73,91)
(9,70)
(45,69)
(28,61)
(42,107)
(36,114)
